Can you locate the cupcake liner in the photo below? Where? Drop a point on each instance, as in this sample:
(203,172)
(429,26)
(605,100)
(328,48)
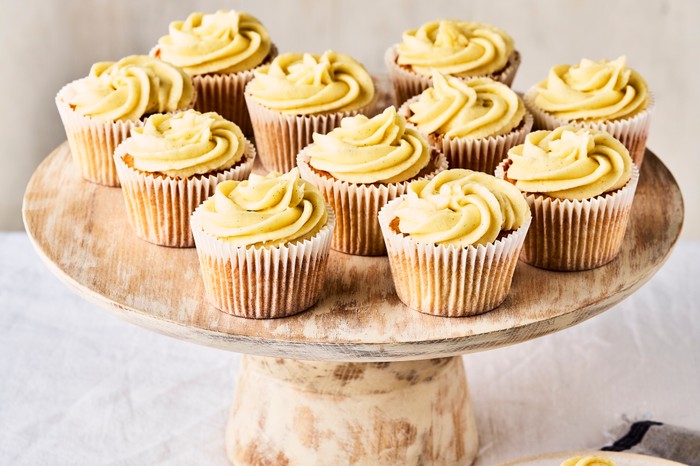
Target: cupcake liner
(159,207)
(92,141)
(279,137)
(223,94)
(356,206)
(267,282)
(449,281)
(408,83)
(479,154)
(575,235)
(632,132)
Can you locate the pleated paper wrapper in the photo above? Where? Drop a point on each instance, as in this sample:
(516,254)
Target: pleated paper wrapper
(279,137)
(632,132)
(159,206)
(266,282)
(572,235)
(92,141)
(450,281)
(356,206)
(478,154)
(408,83)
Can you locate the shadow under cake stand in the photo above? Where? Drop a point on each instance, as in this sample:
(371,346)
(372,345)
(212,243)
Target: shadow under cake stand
(359,378)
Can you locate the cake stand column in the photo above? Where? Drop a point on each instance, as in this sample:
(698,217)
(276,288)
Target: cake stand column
(292,412)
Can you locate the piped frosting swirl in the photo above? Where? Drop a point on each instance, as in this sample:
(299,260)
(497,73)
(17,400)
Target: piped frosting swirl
(589,460)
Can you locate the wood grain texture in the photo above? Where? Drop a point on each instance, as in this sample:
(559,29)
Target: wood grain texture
(81,231)
(289,412)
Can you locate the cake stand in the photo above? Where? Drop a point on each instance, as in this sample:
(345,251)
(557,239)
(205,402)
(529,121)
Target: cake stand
(359,378)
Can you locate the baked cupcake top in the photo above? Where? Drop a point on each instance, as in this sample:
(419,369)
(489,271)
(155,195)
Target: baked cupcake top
(264,210)
(603,90)
(462,48)
(570,163)
(370,150)
(130,88)
(589,460)
(184,144)
(303,84)
(474,108)
(460,208)
(227,41)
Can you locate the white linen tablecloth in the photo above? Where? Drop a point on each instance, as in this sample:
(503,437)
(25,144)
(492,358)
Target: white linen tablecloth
(81,387)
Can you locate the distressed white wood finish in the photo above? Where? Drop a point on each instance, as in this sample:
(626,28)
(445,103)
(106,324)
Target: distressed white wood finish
(81,231)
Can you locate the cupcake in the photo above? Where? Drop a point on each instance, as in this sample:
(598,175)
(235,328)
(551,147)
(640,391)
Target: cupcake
(580,186)
(99,111)
(603,95)
(172,164)
(463,49)
(301,94)
(473,122)
(220,52)
(263,245)
(359,167)
(453,242)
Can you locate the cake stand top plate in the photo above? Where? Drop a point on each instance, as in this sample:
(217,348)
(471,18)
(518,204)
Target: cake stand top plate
(81,231)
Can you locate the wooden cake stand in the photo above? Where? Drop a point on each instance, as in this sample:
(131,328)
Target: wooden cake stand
(359,378)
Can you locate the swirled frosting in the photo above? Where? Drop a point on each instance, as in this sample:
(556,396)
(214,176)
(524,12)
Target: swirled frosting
(460,207)
(474,108)
(227,41)
(592,91)
(185,144)
(570,163)
(264,210)
(462,48)
(303,84)
(130,88)
(589,460)
(370,150)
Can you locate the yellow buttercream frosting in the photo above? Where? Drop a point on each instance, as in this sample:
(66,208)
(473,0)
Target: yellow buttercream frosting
(461,208)
(474,108)
(303,84)
(264,210)
(462,48)
(130,88)
(227,41)
(603,90)
(370,150)
(570,163)
(589,460)
(184,144)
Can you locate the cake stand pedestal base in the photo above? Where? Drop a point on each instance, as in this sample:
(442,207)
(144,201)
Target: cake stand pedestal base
(289,412)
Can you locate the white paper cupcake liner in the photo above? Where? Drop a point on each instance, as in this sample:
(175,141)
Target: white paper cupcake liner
(263,283)
(408,84)
(631,132)
(480,154)
(449,281)
(92,141)
(572,235)
(159,207)
(356,206)
(279,137)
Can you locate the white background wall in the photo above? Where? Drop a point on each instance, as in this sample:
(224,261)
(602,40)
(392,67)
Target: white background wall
(47,43)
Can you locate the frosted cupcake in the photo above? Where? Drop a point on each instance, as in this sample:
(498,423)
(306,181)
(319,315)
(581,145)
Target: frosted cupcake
(220,52)
(604,95)
(172,164)
(580,185)
(453,242)
(301,94)
(359,167)
(263,245)
(99,111)
(463,49)
(473,122)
